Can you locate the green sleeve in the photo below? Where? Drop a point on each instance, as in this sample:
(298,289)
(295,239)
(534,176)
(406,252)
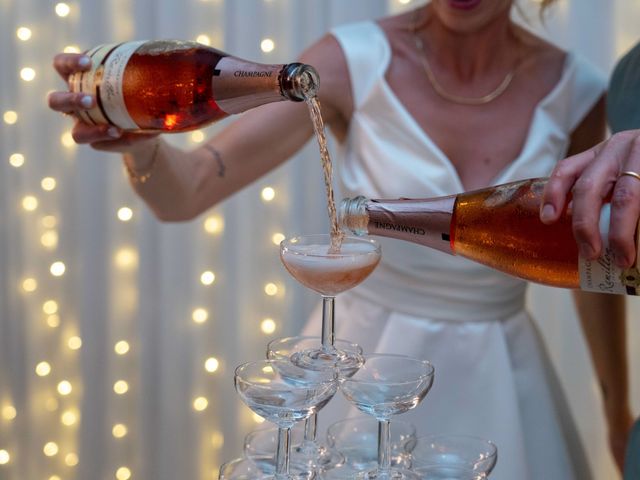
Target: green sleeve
(623,98)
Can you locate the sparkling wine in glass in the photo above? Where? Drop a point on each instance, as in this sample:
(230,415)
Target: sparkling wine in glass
(388,385)
(283,394)
(312,261)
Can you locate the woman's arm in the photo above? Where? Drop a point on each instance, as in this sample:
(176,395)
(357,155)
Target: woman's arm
(180,185)
(603,320)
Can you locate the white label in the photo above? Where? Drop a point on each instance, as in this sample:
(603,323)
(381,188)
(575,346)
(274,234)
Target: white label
(111,92)
(603,275)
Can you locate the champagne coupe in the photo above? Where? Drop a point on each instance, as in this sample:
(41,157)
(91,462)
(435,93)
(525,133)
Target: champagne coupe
(240,469)
(384,386)
(447,457)
(260,446)
(314,262)
(283,394)
(288,348)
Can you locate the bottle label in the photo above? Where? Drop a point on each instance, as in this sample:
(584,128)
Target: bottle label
(239,85)
(603,275)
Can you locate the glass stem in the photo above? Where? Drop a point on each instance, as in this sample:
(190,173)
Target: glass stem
(328,322)
(310,428)
(384,446)
(282,453)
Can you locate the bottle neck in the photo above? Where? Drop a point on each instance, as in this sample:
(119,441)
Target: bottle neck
(423,221)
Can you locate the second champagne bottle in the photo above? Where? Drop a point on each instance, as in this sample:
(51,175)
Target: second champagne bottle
(175,86)
(498,227)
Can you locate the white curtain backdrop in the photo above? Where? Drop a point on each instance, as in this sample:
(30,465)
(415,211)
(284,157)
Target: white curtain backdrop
(119,335)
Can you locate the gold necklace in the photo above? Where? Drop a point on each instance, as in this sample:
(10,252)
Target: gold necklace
(450,96)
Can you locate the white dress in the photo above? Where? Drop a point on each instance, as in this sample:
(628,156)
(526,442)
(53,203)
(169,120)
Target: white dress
(493,378)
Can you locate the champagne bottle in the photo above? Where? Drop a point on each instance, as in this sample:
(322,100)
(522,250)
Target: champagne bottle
(498,227)
(174,86)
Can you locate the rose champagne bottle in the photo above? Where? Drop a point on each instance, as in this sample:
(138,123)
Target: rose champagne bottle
(174,86)
(498,227)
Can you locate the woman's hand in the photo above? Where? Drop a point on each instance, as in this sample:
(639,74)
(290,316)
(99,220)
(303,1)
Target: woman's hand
(101,137)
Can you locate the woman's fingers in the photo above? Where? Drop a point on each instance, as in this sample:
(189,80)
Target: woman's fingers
(85,133)
(67,102)
(68,63)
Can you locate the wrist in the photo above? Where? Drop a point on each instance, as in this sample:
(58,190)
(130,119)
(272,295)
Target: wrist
(141,163)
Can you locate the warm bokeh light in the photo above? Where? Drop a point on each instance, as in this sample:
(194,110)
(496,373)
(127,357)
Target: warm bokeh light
(123,473)
(125,214)
(9,412)
(69,418)
(200,404)
(200,315)
(50,307)
(268,194)
(57,269)
(4,457)
(277,238)
(257,418)
(27,74)
(271,289)
(197,136)
(16,160)
(65,387)
(66,139)
(10,117)
(217,440)
(49,221)
(214,224)
(204,39)
(23,33)
(126,258)
(268,326)
(50,449)
(121,387)
(122,347)
(71,49)
(62,9)
(71,459)
(49,239)
(74,343)
(208,277)
(53,321)
(211,364)
(267,45)
(29,285)
(43,369)
(29,203)
(119,430)
(51,404)
(48,184)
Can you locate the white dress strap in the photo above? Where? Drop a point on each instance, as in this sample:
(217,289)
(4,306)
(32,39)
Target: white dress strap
(367,53)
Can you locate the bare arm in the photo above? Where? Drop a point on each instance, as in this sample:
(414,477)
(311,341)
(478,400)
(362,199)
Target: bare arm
(602,317)
(184,184)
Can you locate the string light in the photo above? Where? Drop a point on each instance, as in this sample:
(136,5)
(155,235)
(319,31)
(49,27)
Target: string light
(211,364)
(119,430)
(268,194)
(4,457)
(214,224)
(268,326)
(208,277)
(50,307)
(123,473)
(49,239)
(74,343)
(71,459)
(29,203)
(62,9)
(200,404)
(9,412)
(257,418)
(277,238)
(197,136)
(43,369)
(65,388)
(27,74)
(200,315)
(10,117)
(122,347)
(69,418)
(53,321)
(23,33)
(267,45)
(57,269)
(51,404)
(126,258)
(54,477)
(50,449)
(29,285)
(121,387)
(48,184)
(66,139)
(49,221)
(71,49)
(217,440)
(204,39)
(271,289)
(125,214)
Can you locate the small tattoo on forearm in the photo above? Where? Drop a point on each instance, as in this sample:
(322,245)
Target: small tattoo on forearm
(218,158)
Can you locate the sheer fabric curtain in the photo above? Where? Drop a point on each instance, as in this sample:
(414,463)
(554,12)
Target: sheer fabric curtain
(118,334)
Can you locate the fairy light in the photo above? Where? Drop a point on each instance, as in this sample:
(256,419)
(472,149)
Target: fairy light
(50,449)
(23,33)
(204,39)
(268,194)
(43,369)
(71,49)
(122,347)
(67,141)
(16,160)
(257,418)
(277,238)
(267,45)
(50,307)
(211,364)
(69,418)
(49,239)
(197,136)
(27,74)
(49,221)
(125,214)
(54,477)
(48,184)
(74,343)
(62,9)
(208,277)
(4,457)
(271,289)
(200,315)
(65,388)
(268,326)
(29,285)
(123,473)
(9,412)
(121,387)
(51,404)
(126,258)
(119,430)
(10,117)
(57,269)
(214,224)
(200,404)
(71,459)
(29,203)
(53,321)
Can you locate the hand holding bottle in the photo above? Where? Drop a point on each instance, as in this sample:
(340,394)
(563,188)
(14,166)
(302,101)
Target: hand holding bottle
(608,169)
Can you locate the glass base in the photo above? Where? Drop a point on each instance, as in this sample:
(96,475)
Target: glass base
(318,456)
(391,474)
(326,358)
